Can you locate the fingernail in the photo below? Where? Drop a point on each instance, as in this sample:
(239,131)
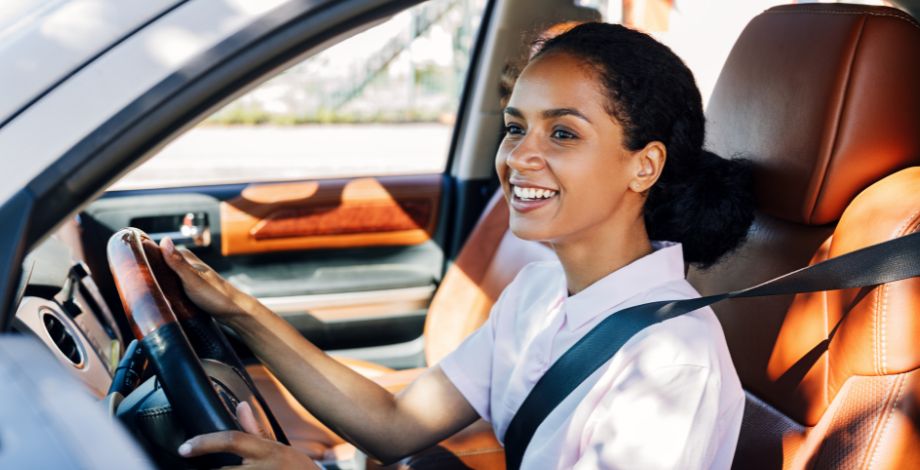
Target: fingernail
(171,248)
(185,449)
(242,406)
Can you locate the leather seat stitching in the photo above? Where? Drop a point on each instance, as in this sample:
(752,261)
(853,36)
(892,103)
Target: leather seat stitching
(888,410)
(852,13)
(902,230)
(883,325)
(905,227)
(876,299)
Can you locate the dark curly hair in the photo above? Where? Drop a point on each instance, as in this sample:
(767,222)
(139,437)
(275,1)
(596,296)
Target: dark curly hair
(701,200)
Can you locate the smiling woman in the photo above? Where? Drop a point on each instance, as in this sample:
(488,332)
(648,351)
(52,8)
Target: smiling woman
(602,156)
(336,283)
(580,158)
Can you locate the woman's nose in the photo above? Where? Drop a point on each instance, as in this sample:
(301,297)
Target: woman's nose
(525,156)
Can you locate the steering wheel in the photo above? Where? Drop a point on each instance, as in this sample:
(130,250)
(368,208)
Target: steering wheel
(200,373)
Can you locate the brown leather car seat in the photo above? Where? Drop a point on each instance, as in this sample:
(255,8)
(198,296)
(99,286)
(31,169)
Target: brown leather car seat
(824,99)
(488,261)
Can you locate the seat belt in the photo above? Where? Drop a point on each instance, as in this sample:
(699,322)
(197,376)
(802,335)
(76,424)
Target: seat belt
(889,261)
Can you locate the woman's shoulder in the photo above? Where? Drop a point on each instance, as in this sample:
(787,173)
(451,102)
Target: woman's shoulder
(693,339)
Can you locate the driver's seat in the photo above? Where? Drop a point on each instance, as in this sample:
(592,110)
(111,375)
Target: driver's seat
(824,99)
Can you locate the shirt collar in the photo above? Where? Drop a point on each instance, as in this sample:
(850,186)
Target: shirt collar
(663,265)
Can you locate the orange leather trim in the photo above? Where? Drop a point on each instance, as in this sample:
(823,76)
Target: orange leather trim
(372,216)
(308,215)
(798,364)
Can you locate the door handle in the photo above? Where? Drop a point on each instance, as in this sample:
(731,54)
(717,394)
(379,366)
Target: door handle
(192,231)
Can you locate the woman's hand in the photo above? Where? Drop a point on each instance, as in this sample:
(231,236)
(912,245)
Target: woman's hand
(257,452)
(204,286)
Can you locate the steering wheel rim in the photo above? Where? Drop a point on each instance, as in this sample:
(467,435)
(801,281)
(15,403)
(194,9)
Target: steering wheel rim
(177,335)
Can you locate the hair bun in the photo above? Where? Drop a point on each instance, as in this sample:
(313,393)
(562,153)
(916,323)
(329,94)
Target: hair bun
(709,213)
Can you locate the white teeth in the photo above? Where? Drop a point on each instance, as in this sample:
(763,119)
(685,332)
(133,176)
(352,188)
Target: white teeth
(532,193)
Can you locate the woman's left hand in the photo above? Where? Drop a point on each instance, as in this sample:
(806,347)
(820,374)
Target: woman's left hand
(257,452)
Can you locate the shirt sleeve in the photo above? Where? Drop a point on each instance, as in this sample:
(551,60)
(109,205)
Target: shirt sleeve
(469,367)
(662,419)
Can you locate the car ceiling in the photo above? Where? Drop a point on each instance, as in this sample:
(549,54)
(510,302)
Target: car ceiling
(43,44)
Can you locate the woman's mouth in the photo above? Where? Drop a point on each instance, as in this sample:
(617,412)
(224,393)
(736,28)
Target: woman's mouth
(525,199)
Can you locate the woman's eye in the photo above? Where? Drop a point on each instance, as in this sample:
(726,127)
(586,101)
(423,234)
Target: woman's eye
(513,129)
(563,134)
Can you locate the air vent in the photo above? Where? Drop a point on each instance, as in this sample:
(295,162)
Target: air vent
(62,338)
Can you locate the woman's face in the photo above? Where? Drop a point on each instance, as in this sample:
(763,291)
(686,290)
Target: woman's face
(562,164)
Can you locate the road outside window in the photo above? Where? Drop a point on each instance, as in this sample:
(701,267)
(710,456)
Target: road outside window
(379,103)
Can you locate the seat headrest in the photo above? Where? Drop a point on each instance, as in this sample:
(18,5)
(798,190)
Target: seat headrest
(824,99)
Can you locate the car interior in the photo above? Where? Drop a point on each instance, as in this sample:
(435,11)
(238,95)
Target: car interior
(391,273)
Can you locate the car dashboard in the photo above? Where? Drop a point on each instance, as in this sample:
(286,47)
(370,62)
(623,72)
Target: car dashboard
(60,303)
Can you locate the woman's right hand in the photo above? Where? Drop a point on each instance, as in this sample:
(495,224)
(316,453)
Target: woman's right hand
(207,289)
(250,444)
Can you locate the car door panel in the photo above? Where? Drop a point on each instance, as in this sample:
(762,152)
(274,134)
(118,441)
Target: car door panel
(358,212)
(351,263)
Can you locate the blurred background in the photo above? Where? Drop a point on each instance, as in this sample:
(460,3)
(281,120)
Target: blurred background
(385,100)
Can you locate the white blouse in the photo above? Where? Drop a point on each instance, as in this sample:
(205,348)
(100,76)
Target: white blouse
(670,398)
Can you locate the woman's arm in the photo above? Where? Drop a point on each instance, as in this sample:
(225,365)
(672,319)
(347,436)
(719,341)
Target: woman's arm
(384,426)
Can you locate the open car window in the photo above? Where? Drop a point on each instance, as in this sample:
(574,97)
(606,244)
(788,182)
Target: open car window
(382,102)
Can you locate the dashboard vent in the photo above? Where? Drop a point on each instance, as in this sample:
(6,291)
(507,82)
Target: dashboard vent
(62,338)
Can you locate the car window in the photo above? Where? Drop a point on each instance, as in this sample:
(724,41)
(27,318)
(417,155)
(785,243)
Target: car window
(382,102)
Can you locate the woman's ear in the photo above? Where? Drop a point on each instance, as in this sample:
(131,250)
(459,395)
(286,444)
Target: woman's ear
(649,164)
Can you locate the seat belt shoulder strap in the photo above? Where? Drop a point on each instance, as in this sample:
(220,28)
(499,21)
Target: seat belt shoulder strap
(889,261)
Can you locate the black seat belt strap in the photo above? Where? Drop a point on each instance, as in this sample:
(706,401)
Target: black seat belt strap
(890,261)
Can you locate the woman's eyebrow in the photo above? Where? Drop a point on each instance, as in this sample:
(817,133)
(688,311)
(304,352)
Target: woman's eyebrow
(550,113)
(559,112)
(514,112)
